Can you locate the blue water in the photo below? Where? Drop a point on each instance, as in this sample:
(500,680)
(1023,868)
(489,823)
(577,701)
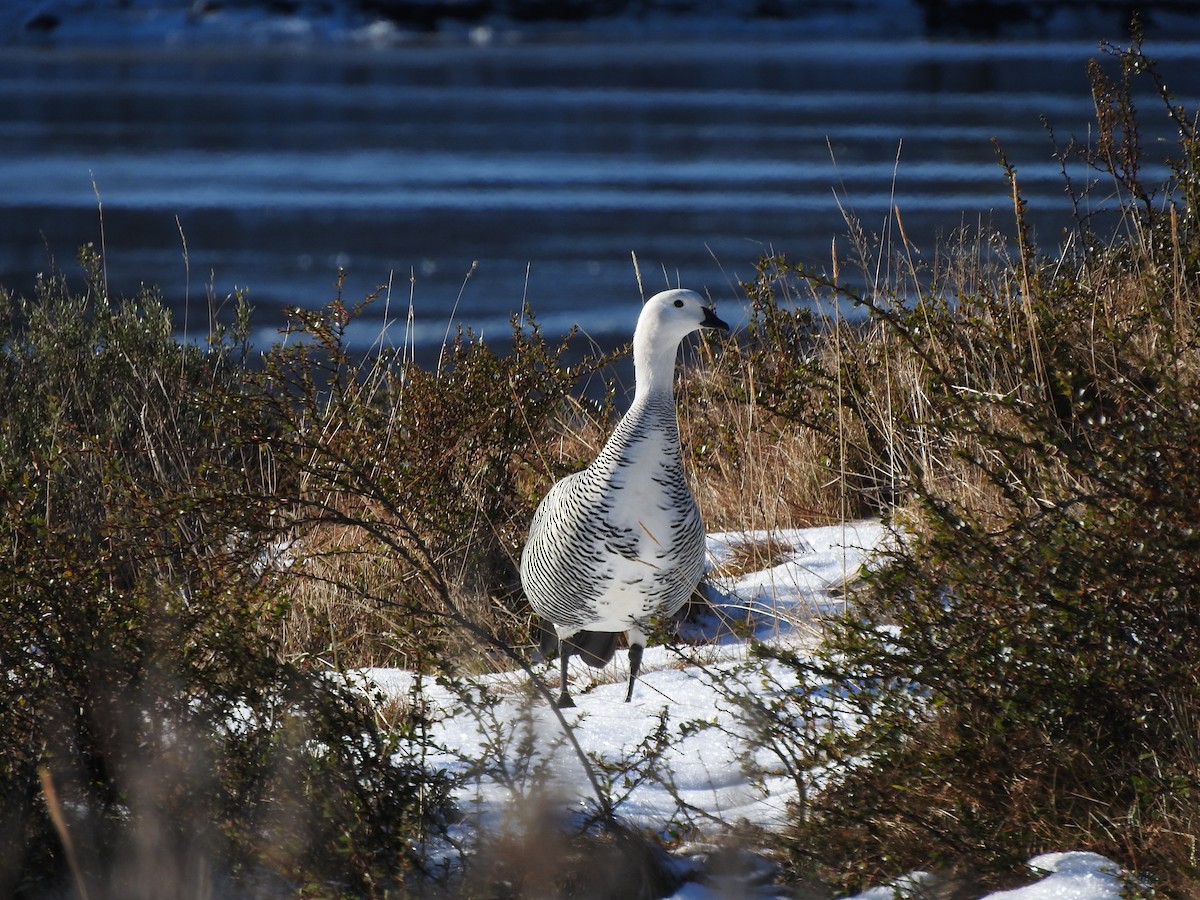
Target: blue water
(470,179)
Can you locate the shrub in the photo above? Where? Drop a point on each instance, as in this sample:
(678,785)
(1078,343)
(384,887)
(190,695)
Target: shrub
(1026,652)
(155,739)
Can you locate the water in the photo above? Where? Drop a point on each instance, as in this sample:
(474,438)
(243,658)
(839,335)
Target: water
(475,178)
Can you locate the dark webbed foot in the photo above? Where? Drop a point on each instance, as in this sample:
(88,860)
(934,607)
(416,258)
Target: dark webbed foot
(564,701)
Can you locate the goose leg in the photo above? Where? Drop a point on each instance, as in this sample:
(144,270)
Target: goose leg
(564,654)
(635,663)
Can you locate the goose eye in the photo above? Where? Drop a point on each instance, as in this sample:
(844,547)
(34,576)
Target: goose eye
(678,304)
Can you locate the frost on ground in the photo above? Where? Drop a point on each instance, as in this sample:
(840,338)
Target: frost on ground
(682,759)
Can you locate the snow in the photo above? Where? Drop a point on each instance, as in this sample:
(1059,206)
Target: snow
(1076,875)
(806,584)
(1072,876)
(681,758)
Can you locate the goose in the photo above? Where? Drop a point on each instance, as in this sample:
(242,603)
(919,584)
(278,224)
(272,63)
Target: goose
(620,542)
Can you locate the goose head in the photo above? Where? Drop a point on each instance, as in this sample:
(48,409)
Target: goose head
(666,319)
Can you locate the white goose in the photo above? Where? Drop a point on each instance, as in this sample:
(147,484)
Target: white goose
(620,542)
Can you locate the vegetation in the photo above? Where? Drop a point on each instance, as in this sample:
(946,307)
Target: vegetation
(199,545)
(1024,658)
(157,740)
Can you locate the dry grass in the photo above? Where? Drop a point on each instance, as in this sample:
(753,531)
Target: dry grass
(749,469)
(353,602)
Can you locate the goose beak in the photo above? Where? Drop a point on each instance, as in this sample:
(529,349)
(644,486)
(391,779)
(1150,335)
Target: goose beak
(711,320)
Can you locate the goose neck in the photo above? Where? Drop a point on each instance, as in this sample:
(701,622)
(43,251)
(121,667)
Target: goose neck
(654,371)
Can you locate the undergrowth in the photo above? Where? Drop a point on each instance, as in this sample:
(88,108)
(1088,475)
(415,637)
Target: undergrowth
(1024,656)
(156,741)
